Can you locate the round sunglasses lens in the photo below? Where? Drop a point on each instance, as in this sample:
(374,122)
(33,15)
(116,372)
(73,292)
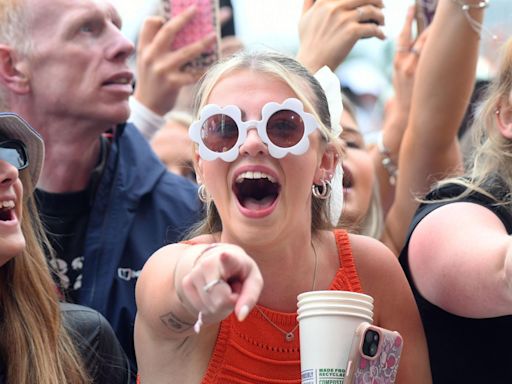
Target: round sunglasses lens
(285,128)
(219,133)
(14,154)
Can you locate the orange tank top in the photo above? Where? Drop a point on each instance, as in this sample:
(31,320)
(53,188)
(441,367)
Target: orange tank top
(254,351)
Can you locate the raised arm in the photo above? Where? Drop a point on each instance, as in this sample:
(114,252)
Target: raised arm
(444,82)
(159,70)
(385,154)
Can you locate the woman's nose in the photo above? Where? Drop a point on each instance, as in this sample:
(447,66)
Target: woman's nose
(8,173)
(253,145)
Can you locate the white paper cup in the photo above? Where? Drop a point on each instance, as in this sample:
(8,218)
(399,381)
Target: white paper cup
(335,300)
(327,324)
(307,308)
(335,294)
(325,341)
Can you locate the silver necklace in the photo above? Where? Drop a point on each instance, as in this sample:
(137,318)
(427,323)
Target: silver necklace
(290,336)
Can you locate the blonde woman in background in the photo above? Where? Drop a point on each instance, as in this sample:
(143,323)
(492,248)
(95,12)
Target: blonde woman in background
(458,254)
(433,81)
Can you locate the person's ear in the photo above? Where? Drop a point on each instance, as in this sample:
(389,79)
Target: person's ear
(13,71)
(198,166)
(504,120)
(327,165)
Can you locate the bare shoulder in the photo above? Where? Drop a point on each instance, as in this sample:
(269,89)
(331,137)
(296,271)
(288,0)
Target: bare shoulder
(375,262)
(367,250)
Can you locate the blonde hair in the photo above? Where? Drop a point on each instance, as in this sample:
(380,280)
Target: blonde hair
(302,83)
(373,221)
(492,151)
(14,33)
(34,345)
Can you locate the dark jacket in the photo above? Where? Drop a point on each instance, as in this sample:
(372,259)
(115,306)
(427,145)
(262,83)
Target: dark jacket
(138,207)
(97,344)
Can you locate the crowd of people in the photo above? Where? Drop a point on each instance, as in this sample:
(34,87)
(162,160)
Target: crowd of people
(159,228)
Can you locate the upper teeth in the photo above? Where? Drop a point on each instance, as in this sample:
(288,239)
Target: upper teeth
(9,204)
(254,175)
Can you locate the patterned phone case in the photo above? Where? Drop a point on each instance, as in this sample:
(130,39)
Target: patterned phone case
(202,24)
(383,367)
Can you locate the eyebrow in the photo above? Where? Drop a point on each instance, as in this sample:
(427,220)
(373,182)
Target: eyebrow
(115,16)
(349,129)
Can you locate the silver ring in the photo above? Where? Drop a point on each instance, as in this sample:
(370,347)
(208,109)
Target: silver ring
(208,286)
(415,51)
(360,13)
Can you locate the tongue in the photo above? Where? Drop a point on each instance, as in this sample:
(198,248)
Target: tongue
(257,205)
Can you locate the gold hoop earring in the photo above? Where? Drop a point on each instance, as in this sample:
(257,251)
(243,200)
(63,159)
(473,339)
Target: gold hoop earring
(322,191)
(202,193)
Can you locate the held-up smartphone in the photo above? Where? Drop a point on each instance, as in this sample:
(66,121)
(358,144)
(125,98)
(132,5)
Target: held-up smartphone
(425,10)
(204,22)
(374,356)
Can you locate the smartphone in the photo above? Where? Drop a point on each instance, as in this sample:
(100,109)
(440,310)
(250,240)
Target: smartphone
(204,22)
(374,356)
(425,10)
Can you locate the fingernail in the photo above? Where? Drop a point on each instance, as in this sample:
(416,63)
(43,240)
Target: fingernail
(242,314)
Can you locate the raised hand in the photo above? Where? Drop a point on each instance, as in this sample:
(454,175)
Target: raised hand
(160,74)
(328,29)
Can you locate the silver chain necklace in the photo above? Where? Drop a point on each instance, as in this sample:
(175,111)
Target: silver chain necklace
(290,336)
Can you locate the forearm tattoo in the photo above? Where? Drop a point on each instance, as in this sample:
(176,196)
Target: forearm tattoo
(173,322)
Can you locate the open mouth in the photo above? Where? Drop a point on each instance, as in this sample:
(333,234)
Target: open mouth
(256,190)
(7,210)
(122,79)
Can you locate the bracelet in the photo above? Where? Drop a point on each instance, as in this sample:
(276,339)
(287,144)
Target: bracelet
(388,163)
(475,25)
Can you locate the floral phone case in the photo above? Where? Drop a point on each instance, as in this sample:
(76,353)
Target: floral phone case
(374,356)
(205,21)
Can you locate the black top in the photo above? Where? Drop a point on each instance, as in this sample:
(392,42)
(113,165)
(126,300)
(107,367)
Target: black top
(103,357)
(65,217)
(463,350)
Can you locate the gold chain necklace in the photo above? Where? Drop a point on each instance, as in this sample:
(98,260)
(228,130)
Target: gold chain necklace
(289,336)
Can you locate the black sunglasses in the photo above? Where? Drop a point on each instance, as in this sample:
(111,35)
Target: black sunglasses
(15,153)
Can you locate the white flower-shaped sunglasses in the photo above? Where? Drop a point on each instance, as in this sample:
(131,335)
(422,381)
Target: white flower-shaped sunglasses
(284,128)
